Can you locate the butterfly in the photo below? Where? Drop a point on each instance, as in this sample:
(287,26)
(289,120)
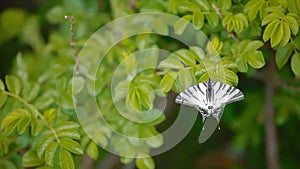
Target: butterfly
(209,98)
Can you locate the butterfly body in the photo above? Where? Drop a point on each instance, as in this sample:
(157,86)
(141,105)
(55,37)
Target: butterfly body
(209,98)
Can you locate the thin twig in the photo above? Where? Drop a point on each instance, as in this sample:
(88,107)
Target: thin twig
(72,43)
(287,86)
(221,17)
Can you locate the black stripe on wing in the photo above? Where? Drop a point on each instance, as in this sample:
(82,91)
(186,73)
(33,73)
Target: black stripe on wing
(193,96)
(225,94)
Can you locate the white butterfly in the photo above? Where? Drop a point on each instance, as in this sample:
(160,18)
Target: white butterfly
(209,98)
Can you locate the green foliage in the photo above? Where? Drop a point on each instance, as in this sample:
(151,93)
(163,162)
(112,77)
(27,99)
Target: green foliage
(36,102)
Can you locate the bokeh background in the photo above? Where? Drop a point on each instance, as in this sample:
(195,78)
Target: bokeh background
(28,26)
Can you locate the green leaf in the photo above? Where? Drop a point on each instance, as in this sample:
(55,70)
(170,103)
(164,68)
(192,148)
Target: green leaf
(45,140)
(126,160)
(70,133)
(241,17)
(170,64)
(283,55)
(30,159)
(198,52)
(7,165)
(49,115)
(268,31)
(121,90)
(253,45)
(65,159)
(185,78)
(71,145)
(36,127)
(65,125)
(155,141)
(23,123)
(198,19)
(161,27)
(286,34)
(277,34)
(269,18)
(143,96)
(13,84)
(182,23)
(77,83)
(55,14)
(187,7)
(167,82)
(256,59)
(2,87)
(231,77)
(297,42)
(186,57)
(50,153)
(3,98)
(213,19)
(44,101)
(242,63)
(31,91)
(19,117)
(92,150)
(145,163)
(293,6)
(292,24)
(295,64)
(12,23)
(224,4)
(275,9)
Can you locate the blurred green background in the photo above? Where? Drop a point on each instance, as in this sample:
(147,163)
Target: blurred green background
(34,26)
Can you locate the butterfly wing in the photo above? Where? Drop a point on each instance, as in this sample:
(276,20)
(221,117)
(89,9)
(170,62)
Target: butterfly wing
(193,96)
(225,94)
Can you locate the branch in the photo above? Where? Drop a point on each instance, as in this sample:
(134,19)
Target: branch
(287,86)
(270,128)
(221,17)
(72,44)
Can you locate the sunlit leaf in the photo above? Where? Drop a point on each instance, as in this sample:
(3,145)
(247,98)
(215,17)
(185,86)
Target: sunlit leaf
(49,115)
(185,78)
(3,98)
(50,153)
(77,83)
(13,84)
(269,18)
(292,24)
(198,19)
(31,91)
(186,57)
(256,59)
(213,19)
(167,81)
(92,150)
(66,160)
(295,64)
(71,145)
(170,64)
(283,54)
(30,159)
(182,23)
(145,163)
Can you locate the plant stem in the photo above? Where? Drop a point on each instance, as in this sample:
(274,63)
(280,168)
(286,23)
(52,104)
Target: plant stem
(221,17)
(35,111)
(72,43)
(270,128)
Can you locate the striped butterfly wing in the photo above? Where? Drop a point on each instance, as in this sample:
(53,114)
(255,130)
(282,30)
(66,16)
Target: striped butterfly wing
(225,94)
(209,97)
(193,96)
